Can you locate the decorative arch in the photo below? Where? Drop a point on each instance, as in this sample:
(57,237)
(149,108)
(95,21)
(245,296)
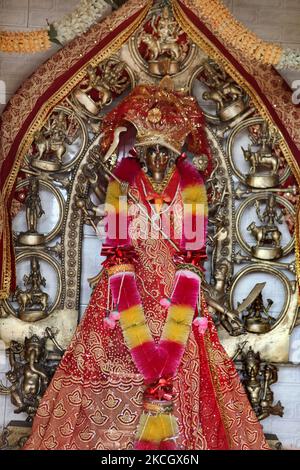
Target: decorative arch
(54,83)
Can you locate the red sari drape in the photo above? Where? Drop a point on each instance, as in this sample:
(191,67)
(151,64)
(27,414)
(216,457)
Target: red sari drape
(95,398)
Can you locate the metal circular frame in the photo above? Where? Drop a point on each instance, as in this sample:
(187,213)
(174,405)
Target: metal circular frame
(68,166)
(262,196)
(55,265)
(269,270)
(243,125)
(61,202)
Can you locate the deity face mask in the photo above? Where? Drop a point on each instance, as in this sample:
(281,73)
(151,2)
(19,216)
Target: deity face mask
(157,158)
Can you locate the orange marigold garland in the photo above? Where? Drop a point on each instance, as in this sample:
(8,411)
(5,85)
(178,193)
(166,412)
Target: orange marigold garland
(234,34)
(87,13)
(24,42)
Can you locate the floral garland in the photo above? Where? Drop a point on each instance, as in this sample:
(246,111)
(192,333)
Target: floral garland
(86,14)
(158,362)
(60,32)
(220,20)
(24,42)
(214,13)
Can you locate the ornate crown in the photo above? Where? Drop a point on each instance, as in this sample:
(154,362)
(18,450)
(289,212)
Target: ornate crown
(162,116)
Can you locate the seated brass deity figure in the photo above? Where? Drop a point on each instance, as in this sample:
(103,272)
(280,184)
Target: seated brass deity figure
(33,297)
(256,318)
(97,89)
(258,380)
(270,376)
(228,97)
(145,368)
(164,48)
(34,211)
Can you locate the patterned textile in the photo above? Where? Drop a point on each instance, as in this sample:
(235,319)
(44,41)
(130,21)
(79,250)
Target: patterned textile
(95,398)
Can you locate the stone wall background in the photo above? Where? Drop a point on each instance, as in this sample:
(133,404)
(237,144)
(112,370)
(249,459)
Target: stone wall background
(273,20)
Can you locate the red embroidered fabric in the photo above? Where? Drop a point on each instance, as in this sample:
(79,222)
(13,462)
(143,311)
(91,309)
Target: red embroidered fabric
(95,398)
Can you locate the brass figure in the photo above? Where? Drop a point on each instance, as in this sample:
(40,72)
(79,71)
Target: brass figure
(221,274)
(29,375)
(264,163)
(258,378)
(164,49)
(218,298)
(255,317)
(34,211)
(33,297)
(267,236)
(252,384)
(50,143)
(270,376)
(229,98)
(101,83)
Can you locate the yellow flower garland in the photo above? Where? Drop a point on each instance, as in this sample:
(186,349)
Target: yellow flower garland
(222,23)
(83,17)
(215,15)
(24,42)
